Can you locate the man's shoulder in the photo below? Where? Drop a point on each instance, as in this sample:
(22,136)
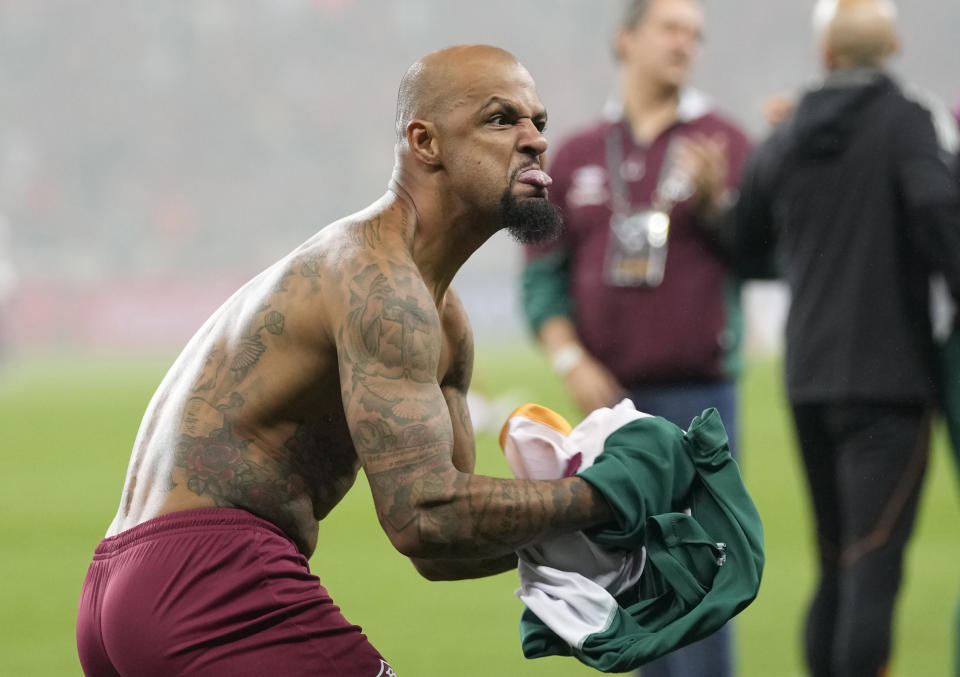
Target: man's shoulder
(921,105)
(347,260)
(905,100)
(904,113)
(354,241)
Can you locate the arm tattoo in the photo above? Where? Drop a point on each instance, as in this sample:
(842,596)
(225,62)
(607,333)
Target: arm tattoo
(389,347)
(385,330)
(477,516)
(389,344)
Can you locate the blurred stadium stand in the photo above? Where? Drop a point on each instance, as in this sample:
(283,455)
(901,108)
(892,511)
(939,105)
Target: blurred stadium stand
(153,155)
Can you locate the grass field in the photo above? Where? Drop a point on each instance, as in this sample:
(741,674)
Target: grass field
(66,427)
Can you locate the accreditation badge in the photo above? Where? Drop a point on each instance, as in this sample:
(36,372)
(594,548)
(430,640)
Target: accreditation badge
(637,250)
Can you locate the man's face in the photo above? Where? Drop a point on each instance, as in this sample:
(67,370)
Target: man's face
(492,143)
(662,47)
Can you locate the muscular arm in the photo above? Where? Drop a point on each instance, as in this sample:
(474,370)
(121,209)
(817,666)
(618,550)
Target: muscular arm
(389,343)
(455,384)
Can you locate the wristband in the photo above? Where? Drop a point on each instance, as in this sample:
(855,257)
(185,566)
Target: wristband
(565,359)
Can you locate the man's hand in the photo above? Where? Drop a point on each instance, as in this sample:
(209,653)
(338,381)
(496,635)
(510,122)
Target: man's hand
(592,385)
(645,469)
(704,159)
(776,108)
(588,381)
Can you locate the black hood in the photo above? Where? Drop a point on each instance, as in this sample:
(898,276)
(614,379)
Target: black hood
(825,119)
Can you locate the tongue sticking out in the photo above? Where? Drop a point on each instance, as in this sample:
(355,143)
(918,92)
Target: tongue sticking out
(535,177)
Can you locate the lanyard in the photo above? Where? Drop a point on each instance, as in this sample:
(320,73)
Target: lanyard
(672,186)
(619,193)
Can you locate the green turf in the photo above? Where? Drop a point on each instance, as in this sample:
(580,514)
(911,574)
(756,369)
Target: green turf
(67,426)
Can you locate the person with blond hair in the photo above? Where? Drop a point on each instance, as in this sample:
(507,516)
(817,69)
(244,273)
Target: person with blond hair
(855,193)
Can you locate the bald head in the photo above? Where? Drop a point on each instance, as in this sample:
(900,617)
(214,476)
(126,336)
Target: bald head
(856,33)
(435,83)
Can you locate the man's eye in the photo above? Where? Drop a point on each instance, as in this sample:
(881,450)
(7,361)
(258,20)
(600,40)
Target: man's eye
(498,119)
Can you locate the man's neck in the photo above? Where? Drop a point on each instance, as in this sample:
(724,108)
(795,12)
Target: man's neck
(650,109)
(852,76)
(440,242)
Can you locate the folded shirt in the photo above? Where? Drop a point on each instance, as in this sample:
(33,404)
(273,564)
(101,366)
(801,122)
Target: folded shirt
(673,568)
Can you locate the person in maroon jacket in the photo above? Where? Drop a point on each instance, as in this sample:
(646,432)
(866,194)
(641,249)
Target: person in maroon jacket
(634,299)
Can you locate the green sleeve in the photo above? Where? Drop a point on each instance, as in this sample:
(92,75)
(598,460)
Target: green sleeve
(733,330)
(949,362)
(545,288)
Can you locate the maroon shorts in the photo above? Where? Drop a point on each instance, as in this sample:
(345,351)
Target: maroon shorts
(213,592)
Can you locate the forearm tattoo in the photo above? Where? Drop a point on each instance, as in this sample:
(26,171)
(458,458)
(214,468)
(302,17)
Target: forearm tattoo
(402,430)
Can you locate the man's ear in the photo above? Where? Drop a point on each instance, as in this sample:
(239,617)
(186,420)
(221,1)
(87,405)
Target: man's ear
(423,143)
(894,45)
(620,44)
(828,56)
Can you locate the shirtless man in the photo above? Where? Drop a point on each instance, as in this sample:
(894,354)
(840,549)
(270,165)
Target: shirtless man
(352,351)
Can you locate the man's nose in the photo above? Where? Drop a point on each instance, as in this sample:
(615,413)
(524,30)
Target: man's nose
(532,139)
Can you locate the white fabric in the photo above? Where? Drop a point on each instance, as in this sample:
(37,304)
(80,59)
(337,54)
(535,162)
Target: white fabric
(568,581)
(535,451)
(571,605)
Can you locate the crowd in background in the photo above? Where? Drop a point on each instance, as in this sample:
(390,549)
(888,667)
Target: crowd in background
(195,142)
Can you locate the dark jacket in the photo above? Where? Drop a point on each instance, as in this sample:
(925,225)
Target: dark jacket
(861,205)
